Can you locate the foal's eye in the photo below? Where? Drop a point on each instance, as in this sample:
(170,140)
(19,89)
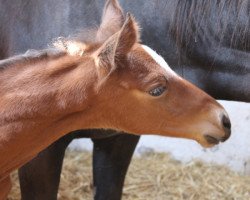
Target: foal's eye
(157,91)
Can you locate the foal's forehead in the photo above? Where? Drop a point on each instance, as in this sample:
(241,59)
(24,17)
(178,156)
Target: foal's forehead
(159,60)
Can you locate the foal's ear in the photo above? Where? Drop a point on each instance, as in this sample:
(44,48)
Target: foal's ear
(116,48)
(112,20)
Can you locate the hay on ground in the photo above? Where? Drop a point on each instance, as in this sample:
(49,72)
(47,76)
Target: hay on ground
(154,176)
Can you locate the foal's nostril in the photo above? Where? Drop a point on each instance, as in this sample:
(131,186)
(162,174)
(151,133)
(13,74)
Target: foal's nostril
(226,122)
(227,127)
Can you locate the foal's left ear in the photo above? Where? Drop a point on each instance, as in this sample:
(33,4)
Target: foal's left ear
(112,20)
(116,48)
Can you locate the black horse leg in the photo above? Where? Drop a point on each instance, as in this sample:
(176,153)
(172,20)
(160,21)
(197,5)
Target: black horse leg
(111,159)
(39,179)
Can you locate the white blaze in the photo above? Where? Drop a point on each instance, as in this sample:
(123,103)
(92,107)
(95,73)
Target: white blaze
(158,59)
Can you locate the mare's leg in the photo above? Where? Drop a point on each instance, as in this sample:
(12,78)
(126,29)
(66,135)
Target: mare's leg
(5,186)
(39,179)
(111,159)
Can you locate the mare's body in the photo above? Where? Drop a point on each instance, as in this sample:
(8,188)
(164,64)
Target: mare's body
(215,57)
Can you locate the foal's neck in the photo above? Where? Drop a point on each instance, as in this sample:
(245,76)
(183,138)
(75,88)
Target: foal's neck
(45,89)
(40,102)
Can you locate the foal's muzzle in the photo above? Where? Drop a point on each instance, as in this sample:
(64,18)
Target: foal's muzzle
(226,124)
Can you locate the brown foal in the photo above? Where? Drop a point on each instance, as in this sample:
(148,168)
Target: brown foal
(111,81)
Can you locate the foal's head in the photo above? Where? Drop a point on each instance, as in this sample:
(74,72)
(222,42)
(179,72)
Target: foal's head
(137,92)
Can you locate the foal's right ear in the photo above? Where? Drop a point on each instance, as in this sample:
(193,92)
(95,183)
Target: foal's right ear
(116,48)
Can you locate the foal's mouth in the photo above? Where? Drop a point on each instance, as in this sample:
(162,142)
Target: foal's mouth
(211,139)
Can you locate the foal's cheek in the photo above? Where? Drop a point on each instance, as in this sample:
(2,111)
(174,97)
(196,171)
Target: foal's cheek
(145,104)
(138,105)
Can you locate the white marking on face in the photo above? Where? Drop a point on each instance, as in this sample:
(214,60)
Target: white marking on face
(158,59)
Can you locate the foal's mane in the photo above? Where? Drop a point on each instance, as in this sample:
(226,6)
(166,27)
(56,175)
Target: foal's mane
(58,48)
(30,57)
(192,19)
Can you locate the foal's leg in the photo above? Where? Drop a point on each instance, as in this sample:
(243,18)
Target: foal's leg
(39,179)
(5,186)
(111,159)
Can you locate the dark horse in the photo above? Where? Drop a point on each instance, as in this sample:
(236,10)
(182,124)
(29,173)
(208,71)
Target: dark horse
(206,41)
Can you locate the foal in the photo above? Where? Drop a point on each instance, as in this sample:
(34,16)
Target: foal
(117,84)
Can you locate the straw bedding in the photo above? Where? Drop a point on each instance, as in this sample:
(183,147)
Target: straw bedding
(154,176)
